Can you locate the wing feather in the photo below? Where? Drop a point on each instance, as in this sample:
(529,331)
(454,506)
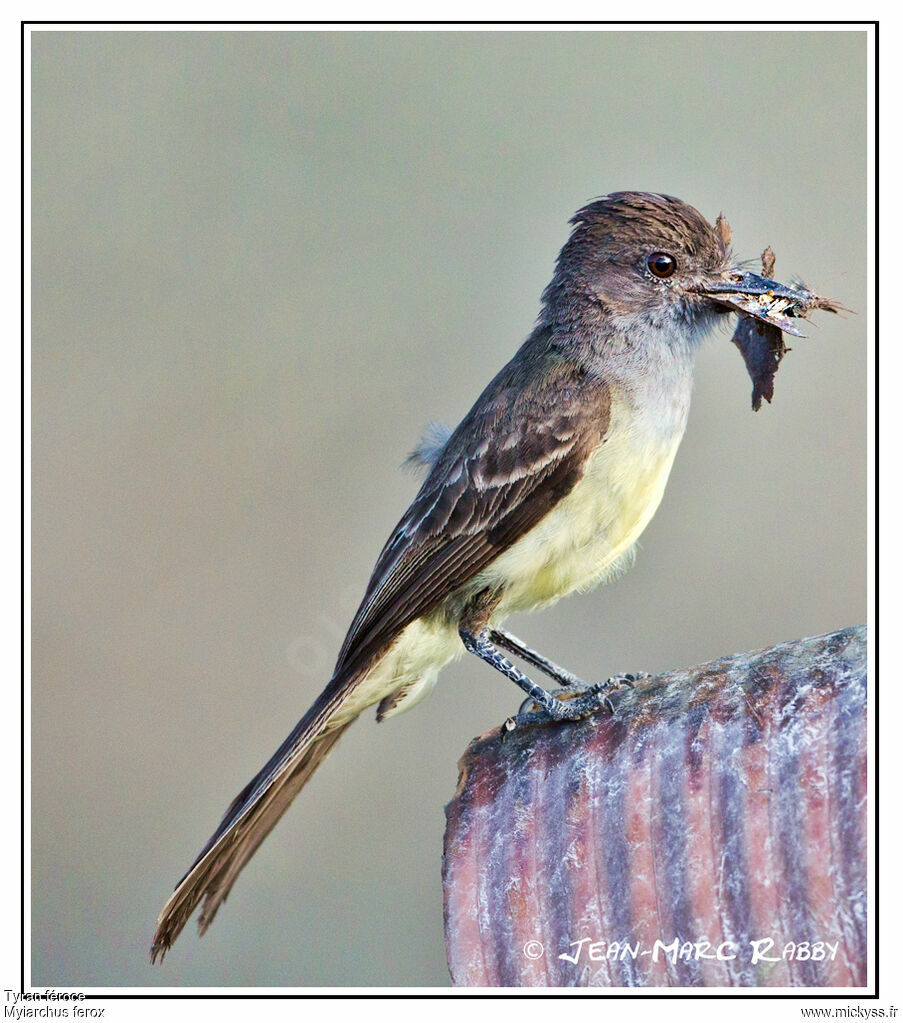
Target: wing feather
(518,452)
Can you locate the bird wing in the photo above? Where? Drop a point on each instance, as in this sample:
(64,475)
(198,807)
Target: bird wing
(518,452)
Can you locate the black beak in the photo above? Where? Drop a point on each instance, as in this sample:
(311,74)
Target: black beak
(759,297)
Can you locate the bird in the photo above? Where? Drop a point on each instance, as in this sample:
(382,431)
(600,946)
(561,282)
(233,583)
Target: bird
(541,491)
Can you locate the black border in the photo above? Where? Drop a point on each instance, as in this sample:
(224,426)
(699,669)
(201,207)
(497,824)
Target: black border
(847,994)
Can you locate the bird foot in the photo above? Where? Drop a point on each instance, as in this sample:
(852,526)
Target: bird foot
(573,703)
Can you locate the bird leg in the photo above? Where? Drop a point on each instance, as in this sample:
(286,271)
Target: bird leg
(591,699)
(503,638)
(566,679)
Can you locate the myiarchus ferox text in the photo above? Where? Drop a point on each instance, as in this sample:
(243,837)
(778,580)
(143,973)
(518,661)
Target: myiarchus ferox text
(541,490)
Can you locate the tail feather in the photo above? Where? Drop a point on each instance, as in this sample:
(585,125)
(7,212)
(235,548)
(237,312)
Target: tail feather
(251,816)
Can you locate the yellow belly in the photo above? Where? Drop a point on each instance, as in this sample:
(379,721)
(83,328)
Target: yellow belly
(587,537)
(590,534)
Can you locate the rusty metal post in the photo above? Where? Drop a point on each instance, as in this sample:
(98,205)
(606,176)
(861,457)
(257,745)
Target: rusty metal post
(711,833)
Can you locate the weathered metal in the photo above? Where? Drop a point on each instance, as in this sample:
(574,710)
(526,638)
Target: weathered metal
(712,832)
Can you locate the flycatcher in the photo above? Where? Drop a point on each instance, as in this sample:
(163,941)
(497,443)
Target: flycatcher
(541,490)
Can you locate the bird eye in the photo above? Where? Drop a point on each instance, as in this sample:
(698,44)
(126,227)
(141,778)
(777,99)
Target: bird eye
(661,264)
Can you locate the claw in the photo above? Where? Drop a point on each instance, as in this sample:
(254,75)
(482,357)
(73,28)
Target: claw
(628,679)
(507,728)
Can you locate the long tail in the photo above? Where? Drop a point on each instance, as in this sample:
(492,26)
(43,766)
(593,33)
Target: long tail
(251,816)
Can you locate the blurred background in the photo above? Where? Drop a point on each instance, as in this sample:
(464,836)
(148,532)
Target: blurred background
(261,263)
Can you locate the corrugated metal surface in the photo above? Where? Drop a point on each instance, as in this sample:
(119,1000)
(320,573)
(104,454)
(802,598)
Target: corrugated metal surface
(722,809)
